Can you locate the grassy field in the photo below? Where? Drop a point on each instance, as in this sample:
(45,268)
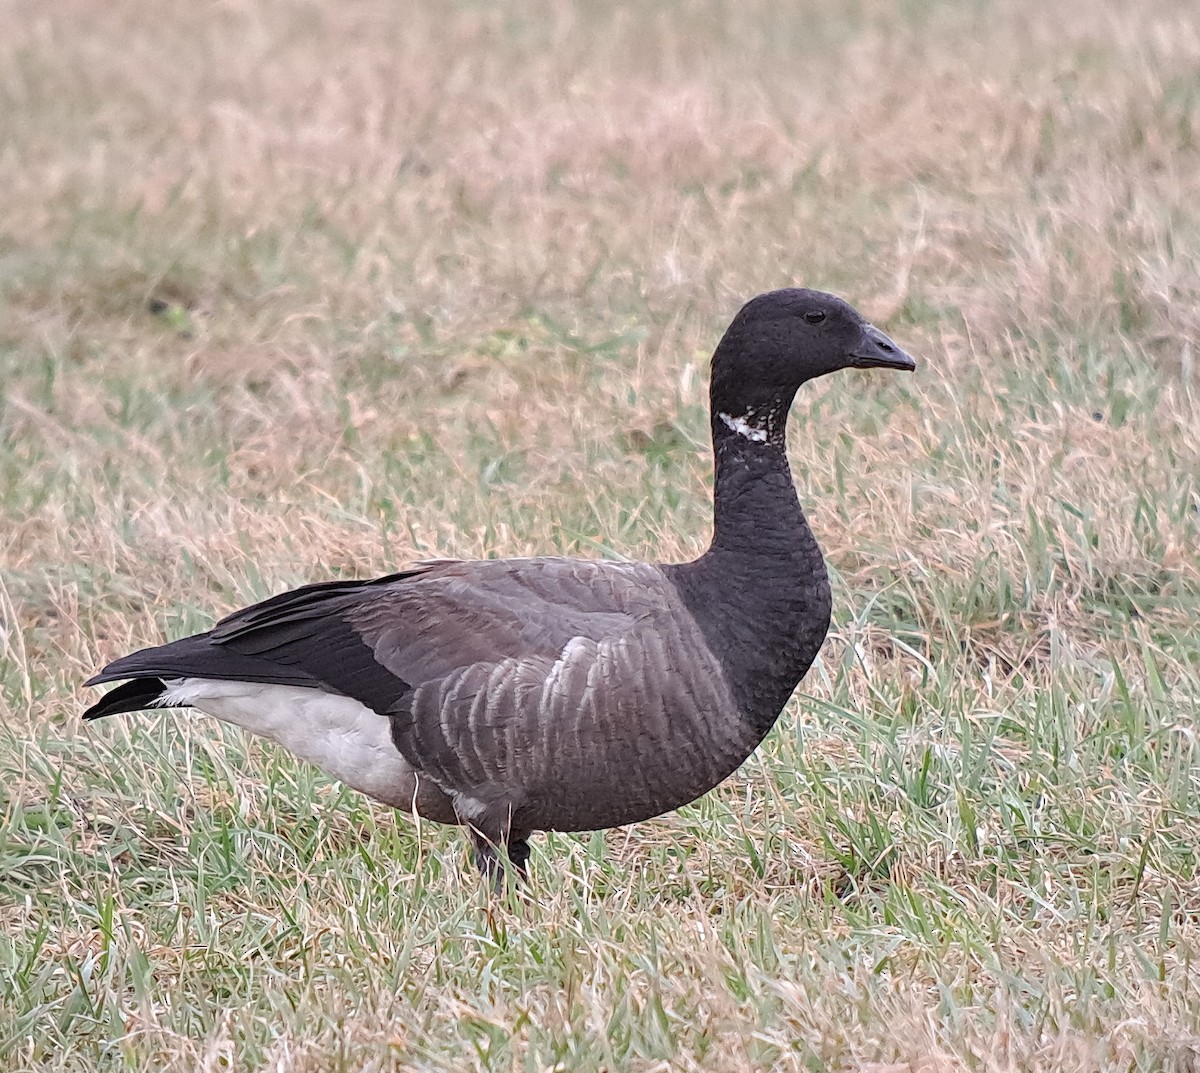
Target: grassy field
(302,290)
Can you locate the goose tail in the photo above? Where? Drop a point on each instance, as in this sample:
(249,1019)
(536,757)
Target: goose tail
(133,696)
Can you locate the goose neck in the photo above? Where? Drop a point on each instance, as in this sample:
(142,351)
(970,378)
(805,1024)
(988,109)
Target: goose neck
(755,506)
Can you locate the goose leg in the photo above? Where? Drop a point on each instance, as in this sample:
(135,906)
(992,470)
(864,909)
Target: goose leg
(518,854)
(487,857)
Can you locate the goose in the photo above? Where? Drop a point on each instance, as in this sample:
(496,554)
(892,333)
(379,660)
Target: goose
(511,696)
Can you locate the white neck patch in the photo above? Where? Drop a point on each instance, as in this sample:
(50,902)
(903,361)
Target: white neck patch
(743,428)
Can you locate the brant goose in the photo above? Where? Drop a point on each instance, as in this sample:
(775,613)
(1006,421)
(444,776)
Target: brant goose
(518,695)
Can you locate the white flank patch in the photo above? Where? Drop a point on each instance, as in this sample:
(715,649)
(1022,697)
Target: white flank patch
(743,428)
(338,734)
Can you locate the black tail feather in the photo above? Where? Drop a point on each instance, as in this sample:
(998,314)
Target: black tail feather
(306,638)
(133,696)
(199,657)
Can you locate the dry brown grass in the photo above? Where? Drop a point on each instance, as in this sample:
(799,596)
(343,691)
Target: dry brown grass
(297,289)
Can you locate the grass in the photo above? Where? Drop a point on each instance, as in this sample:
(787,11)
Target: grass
(301,290)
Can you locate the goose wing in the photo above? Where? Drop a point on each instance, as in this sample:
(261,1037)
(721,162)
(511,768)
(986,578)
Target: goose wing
(579,691)
(568,693)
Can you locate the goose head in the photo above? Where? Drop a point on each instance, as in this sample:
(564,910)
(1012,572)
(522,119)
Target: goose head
(784,338)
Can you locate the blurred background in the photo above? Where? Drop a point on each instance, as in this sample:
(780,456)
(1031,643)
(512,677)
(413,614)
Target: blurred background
(298,290)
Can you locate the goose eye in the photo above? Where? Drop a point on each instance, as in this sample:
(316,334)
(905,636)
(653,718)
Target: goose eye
(814,316)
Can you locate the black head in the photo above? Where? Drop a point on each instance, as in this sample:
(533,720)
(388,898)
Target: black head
(783,338)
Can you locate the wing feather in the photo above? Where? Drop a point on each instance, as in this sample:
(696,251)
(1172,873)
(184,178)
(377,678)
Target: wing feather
(577,693)
(591,728)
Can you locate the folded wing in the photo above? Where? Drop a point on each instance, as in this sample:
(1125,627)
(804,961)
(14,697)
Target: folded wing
(573,694)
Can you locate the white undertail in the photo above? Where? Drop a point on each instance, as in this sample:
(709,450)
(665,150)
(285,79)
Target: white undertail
(340,735)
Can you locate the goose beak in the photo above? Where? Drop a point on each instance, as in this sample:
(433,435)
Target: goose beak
(876,351)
